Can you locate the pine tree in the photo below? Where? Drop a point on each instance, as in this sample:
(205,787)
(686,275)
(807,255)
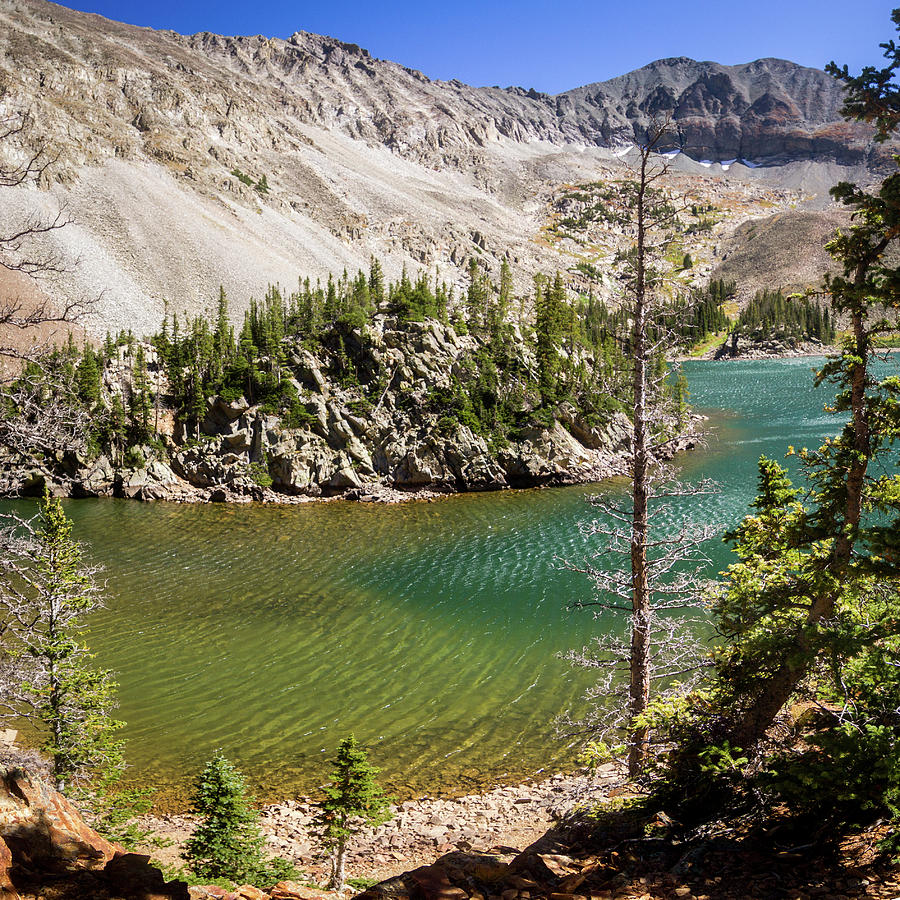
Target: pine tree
(477,295)
(88,377)
(331,302)
(224,349)
(506,292)
(227,842)
(353,800)
(850,494)
(376,281)
(547,334)
(811,606)
(46,592)
(680,395)
(140,405)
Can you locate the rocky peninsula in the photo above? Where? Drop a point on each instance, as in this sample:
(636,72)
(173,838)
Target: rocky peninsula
(389,410)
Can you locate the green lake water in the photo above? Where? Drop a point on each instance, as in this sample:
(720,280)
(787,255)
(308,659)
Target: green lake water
(431,630)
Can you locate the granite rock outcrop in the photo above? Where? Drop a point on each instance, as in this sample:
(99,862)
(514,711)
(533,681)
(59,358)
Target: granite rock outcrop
(404,443)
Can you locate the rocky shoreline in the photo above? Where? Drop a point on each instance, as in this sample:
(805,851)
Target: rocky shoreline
(48,852)
(422,829)
(774,348)
(158,483)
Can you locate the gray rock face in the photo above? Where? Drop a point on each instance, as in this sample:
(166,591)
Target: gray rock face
(767,112)
(399,445)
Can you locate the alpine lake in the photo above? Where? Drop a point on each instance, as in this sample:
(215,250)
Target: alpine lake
(431,630)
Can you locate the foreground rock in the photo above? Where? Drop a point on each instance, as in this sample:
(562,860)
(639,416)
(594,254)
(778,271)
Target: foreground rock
(47,851)
(573,864)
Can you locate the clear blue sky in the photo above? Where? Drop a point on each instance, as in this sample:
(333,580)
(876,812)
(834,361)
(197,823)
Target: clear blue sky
(551,46)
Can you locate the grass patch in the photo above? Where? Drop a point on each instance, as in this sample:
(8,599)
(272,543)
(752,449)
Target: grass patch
(708,343)
(731,309)
(888,341)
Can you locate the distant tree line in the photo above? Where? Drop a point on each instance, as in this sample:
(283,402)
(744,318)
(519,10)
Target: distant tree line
(770,313)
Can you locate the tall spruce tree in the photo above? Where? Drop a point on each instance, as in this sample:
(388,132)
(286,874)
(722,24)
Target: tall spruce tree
(88,377)
(809,610)
(376,281)
(853,500)
(140,403)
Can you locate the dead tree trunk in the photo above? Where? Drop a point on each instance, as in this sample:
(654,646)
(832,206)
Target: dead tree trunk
(639,691)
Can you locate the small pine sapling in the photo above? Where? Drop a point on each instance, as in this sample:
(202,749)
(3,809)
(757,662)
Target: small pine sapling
(47,674)
(353,800)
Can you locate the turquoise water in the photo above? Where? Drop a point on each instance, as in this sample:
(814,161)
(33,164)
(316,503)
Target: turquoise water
(431,630)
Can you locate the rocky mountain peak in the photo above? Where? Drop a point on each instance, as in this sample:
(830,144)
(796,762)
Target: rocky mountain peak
(361,155)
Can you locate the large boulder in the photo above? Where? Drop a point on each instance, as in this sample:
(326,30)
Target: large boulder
(221,413)
(99,481)
(420,468)
(45,841)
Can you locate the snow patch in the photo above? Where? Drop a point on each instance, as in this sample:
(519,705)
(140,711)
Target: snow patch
(750,165)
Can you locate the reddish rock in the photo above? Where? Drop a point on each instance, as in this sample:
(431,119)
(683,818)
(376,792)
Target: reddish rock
(212,892)
(293,890)
(249,892)
(43,829)
(435,885)
(7,891)
(44,841)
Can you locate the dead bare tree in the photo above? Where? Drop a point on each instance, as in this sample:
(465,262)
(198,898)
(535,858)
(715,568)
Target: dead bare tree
(661,578)
(25,160)
(38,417)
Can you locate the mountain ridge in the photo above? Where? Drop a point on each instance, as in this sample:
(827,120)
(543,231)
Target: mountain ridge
(161,138)
(776,96)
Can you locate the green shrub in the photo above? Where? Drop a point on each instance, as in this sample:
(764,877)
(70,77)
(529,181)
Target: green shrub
(447,426)
(133,458)
(245,179)
(851,771)
(259,473)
